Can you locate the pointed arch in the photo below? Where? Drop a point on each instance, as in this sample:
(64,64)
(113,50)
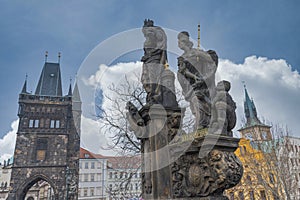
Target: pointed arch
(28,183)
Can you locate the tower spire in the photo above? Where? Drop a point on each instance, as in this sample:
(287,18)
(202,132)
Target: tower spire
(198,36)
(24,89)
(70,88)
(250,110)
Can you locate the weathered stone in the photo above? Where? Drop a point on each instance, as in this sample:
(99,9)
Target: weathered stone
(175,165)
(44,150)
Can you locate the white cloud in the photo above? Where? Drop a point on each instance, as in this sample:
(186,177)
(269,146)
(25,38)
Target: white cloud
(92,138)
(106,75)
(7,143)
(273,85)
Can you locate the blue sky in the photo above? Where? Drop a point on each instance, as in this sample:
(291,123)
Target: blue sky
(235,29)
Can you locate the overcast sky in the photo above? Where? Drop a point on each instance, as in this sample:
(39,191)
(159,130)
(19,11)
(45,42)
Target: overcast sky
(257,42)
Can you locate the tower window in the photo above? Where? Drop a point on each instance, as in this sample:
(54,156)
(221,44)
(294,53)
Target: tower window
(41,149)
(57,124)
(31,122)
(34,123)
(54,123)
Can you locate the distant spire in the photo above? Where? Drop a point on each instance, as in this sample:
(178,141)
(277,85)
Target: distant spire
(70,88)
(198,36)
(76,94)
(59,55)
(24,89)
(46,56)
(250,110)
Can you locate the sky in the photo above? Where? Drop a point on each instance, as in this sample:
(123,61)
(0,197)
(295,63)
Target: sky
(257,42)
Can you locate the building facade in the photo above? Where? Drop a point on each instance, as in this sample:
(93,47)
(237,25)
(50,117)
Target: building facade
(108,177)
(92,175)
(5,173)
(289,155)
(124,178)
(48,138)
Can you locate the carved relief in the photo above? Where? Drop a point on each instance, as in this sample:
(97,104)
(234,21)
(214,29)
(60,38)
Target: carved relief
(201,177)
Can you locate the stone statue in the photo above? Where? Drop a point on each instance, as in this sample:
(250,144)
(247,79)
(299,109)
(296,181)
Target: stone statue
(174,166)
(154,59)
(196,75)
(223,110)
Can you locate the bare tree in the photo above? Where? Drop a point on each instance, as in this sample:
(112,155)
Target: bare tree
(115,125)
(113,118)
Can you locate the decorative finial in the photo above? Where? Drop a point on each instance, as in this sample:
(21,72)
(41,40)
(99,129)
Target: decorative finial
(59,55)
(244,84)
(46,56)
(199,36)
(26,76)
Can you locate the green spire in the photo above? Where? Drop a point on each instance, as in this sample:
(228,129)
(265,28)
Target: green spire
(250,111)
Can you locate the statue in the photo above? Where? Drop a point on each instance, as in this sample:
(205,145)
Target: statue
(154,59)
(196,75)
(207,165)
(223,110)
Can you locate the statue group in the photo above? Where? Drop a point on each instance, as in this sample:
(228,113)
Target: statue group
(173,168)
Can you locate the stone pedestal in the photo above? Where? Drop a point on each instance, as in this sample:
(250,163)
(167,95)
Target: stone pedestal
(207,168)
(161,126)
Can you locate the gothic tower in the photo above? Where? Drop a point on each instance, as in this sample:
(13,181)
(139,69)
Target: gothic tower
(48,138)
(253,129)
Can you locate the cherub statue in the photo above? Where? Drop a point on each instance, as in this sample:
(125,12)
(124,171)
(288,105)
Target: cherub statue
(223,110)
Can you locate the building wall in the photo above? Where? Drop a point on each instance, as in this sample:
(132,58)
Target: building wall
(124,183)
(92,178)
(292,145)
(5,173)
(259,179)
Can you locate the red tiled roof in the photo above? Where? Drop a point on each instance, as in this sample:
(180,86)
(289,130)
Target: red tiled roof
(84,152)
(117,162)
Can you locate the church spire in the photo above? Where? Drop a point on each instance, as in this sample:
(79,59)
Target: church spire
(24,89)
(250,111)
(70,88)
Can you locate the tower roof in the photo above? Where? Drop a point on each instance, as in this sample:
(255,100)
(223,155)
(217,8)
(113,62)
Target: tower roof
(70,90)
(24,89)
(50,81)
(250,111)
(76,94)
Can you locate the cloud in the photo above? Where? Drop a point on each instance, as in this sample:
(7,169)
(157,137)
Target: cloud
(7,143)
(92,138)
(272,84)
